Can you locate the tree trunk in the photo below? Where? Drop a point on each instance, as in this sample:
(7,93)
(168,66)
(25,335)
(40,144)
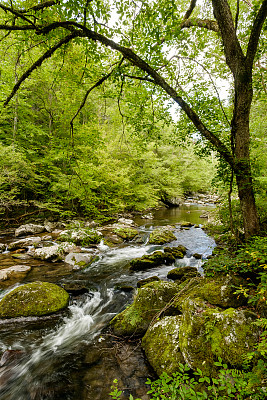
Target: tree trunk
(240,149)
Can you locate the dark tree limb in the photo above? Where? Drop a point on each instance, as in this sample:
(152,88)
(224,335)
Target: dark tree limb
(98,83)
(190,9)
(201,23)
(255,34)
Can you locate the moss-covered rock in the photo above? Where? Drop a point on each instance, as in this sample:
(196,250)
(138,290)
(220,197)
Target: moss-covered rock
(207,333)
(161,345)
(161,236)
(218,291)
(183,273)
(126,232)
(144,282)
(33,299)
(151,261)
(82,236)
(149,300)
(177,251)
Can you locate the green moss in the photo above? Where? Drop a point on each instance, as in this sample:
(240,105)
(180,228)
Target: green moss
(150,299)
(126,233)
(161,236)
(161,345)
(208,333)
(33,299)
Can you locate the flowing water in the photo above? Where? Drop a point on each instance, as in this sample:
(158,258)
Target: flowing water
(72,356)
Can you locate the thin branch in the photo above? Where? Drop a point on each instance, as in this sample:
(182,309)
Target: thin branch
(237,14)
(16,13)
(140,78)
(37,64)
(98,83)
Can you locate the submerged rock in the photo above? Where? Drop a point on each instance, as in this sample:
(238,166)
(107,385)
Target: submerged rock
(33,299)
(150,299)
(79,260)
(17,271)
(162,236)
(151,261)
(29,229)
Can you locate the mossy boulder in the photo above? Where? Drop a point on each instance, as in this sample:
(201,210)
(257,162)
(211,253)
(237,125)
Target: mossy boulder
(161,345)
(161,236)
(183,273)
(145,281)
(82,236)
(177,251)
(126,232)
(149,300)
(218,291)
(208,333)
(33,299)
(151,260)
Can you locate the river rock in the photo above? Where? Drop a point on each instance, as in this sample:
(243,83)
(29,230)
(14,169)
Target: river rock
(161,236)
(206,334)
(51,226)
(17,271)
(2,247)
(55,252)
(149,300)
(24,243)
(151,260)
(80,236)
(177,251)
(29,229)
(126,232)
(33,299)
(185,224)
(183,273)
(79,260)
(218,291)
(126,221)
(161,345)
(143,282)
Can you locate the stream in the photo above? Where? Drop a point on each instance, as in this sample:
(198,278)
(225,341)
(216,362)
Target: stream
(72,355)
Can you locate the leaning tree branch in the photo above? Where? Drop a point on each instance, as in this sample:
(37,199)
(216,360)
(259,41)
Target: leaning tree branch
(37,64)
(209,24)
(255,34)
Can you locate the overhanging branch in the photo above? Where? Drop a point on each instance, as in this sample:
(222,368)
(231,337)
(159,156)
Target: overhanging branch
(37,64)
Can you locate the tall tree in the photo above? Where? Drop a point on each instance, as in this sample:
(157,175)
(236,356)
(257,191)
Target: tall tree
(145,31)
